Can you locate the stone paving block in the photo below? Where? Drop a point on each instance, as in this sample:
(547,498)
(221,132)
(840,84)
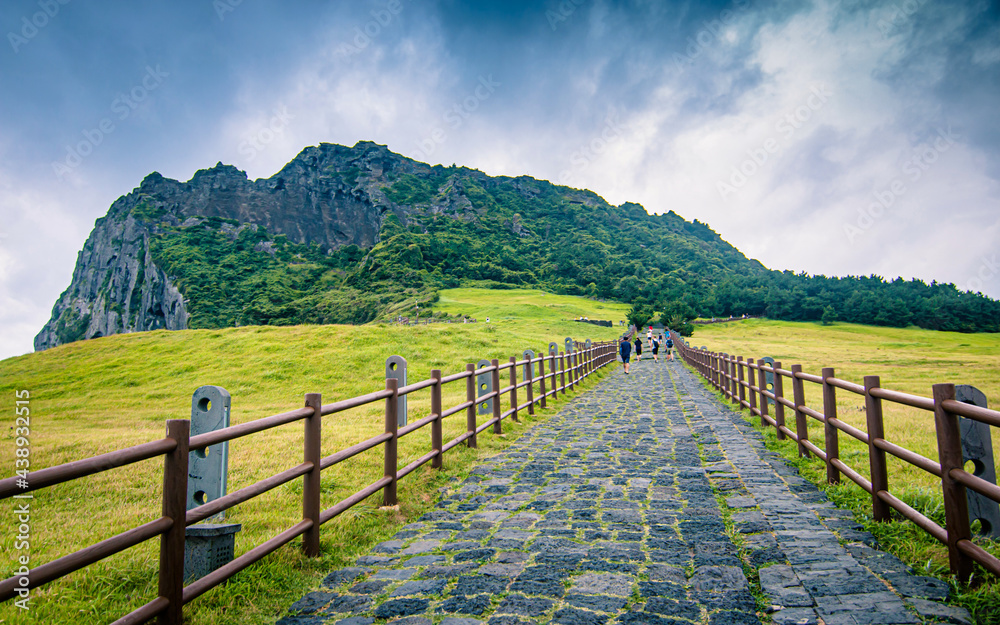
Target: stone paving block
(420,587)
(342,576)
(371,587)
(421,546)
(919,586)
(311,603)
(795,616)
(349,603)
(394,574)
(476,604)
(718,578)
(603,584)
(597,603)
(944,613)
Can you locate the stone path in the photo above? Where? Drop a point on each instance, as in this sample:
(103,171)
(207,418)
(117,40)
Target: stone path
(644,501)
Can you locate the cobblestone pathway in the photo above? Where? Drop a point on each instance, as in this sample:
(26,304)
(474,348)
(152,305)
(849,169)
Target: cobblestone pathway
(609,513)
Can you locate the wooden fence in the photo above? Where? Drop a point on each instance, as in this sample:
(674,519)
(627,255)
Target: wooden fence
(559,372)
(737,379)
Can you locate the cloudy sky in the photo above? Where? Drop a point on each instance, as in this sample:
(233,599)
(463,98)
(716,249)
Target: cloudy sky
(839,138)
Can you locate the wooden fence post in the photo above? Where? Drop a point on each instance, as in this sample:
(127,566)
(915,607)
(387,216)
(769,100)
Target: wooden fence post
(724,375)
(311,481)
(391,445)
(876,457)
(542,395)
(529,377)
(752,391)
(736,369)
(739,381)
(731,378)
(470,413)
(436,435)
(497,427)
(175,479)
(779,392)
(562,373)
(568,365)
(831,434)
(956,505)
(513,388)
(801,426)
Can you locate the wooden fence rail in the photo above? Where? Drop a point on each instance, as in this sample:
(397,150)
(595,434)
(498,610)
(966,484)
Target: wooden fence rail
(726,374)
(168,606)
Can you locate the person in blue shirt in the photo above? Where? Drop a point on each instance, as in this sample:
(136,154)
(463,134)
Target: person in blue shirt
(626,350)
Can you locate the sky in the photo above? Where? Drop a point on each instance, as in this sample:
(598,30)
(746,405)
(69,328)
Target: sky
(836,138)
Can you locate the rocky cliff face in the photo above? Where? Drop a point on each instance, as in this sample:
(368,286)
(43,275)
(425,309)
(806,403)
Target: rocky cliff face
(116,288)
(328,195)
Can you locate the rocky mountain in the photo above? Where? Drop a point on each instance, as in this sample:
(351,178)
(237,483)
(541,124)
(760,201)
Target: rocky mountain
(351,234)
(135,271)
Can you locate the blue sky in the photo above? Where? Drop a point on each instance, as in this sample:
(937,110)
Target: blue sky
(828,137)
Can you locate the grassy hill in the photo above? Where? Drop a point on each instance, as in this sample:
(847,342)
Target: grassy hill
(100,395)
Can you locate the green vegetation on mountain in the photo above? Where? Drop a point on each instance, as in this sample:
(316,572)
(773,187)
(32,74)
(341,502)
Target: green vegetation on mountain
(522,232)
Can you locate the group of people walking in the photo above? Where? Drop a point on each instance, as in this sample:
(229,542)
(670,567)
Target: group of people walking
(625,347)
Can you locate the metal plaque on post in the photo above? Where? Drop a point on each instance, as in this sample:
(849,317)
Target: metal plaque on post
(484,386)
(977,447)
(395,367)
(529,355)
(768,376)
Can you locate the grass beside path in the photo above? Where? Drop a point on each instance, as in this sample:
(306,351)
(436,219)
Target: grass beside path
(101,395)
(910,360)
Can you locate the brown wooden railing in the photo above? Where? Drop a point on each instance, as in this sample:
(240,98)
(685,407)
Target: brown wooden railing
(738,380)
(168,606)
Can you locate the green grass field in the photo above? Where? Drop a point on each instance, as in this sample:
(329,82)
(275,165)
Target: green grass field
(908,360)
(97,396)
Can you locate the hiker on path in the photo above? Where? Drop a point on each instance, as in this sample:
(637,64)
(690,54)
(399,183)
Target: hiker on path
(670,348)
(626,350)
(638,348)
(656,349)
